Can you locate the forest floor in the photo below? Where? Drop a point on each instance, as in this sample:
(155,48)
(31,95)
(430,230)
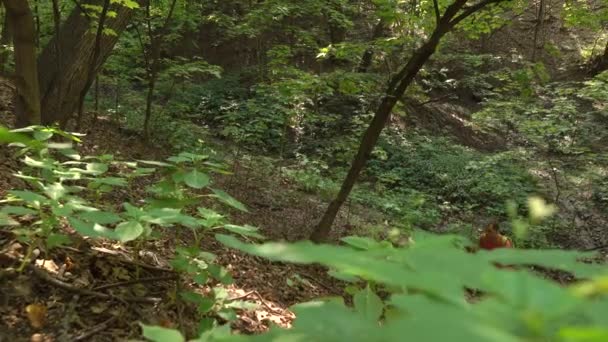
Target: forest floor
(93,291)
(116,277)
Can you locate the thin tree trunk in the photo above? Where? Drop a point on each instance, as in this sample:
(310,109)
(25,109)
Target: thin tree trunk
(156,41)
(37,21)
(57,27)
(149,101)
(368,55)
(5,42)
(27,100)
(396,89)
(540,20)
(76,43)
(96,95)
(90,76)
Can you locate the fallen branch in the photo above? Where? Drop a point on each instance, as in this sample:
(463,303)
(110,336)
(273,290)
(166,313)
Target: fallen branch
(96,329)
(260,298)
(136,281)
(65,286)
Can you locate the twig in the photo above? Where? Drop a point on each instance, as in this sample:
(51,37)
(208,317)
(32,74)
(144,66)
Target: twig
(435,99)
(260,298)
(136,281)
(146,266)
(310,277)
(96,329)
(241,296)
(65,286)
(604,246)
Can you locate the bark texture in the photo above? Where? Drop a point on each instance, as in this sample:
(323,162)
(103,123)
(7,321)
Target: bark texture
(27,100)
(62,75)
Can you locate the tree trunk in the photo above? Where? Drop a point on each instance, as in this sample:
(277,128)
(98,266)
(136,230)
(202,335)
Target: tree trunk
(5,41)
(396,89)
(153,60)
(149,101)
(540,20)
(368,55)
(27,100)
(91,72)
(65,76)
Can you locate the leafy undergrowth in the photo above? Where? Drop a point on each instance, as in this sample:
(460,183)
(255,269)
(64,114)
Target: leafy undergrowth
(99,289)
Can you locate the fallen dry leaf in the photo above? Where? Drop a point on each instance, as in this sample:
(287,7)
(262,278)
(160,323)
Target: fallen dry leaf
(36,313)
(49,265)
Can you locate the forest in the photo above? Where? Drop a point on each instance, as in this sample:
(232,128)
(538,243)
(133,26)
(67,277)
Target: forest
(317,170)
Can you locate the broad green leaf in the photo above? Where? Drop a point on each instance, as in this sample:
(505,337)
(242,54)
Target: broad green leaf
(369,304)
(584,334)
(12,210)
(229,200)
(56,240)
(114,181)
(205,304)
(43,135)
(28,196)
(37,163)
(361,242)
(343,259)
(100,217)
(128,231)
(55,191)
(160,334)
(555,259)
(422,314)
(168,217)
(97,168)
(332,321)
(155,163)
(91,229)
(196,179)
(5,220)
(245,230)
(14,136)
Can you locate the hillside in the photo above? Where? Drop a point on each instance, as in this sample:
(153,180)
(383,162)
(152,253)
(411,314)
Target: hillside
(319,170)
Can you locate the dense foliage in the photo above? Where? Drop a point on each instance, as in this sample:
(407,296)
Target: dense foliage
(440,116)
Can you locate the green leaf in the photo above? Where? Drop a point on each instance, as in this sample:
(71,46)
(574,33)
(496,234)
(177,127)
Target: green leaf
(245,230)
(196,179)
(56,240)
(12,210)
(114,181)
(55,191)
(362,243)
(128,231)
(43,135)
(7,221)
(155,163)
(28,196)
(91,229)
(37,163)
(227,314)
(160,334)
(584,334)
(369,304)
(205,304)
(229,200)
(100,217)
(96,168)
(7,136)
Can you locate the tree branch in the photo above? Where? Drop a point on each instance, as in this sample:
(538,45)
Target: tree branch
(470,10)
(437,13)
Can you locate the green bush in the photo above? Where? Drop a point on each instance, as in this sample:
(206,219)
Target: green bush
(450,173)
